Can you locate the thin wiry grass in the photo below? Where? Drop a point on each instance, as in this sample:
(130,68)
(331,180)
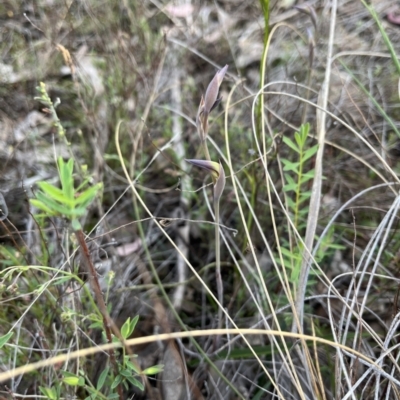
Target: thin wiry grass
(161,228)
(261,280)
(196,333)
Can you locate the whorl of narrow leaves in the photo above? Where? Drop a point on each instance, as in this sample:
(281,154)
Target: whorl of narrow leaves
(295,176)
(67,201)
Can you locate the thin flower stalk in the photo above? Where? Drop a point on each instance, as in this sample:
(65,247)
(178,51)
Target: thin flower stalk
(207,103)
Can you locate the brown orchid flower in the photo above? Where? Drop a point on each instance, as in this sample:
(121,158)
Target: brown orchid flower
(209,102)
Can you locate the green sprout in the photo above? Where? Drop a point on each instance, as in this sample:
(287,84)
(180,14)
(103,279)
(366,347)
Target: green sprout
(67,201)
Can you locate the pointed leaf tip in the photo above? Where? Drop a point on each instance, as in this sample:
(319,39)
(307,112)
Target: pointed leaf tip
(212,90)
(221,73)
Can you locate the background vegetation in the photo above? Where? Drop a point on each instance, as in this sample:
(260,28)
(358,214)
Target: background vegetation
(115,282)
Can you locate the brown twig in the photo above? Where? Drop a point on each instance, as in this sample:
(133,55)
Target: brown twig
(108,323)
(95,285)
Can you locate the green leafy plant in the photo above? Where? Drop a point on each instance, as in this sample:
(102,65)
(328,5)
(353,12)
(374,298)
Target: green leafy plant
(67,201)
(71,201)
(296,176)
(297,194)
(108,382)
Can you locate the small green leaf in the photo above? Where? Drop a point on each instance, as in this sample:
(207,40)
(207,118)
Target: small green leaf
(102,378)
(291,184)
(289,188)
(135,382)
(133,324)
(50,393)
(304,196)
(5,338)
(310,152)
(291,166)
(299,140)
(305,129)
(132,366)
(93,393)
(79,211)
(155,369)
(125,328)
(67,181)
(55,193)
(125,372)
(71,380)
(96,325)
(117,381)
(52,204)
(85,198)
(291,144)
(291,204)
(128,327)
(39,205)
(307,177)
(70,166)
(294,277)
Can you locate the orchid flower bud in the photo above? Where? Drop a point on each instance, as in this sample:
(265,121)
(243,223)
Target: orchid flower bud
(209,102)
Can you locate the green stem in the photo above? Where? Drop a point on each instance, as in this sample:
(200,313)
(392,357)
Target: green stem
(108,323)
(260,106)
(385,37)
(205,148)
(298,190)
(218,263)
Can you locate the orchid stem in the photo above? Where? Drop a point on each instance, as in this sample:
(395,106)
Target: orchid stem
(218,263)
(205,147)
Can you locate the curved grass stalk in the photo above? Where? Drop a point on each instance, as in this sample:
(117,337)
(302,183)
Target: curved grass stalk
(367,361)
(291,368)
(315,199)
(263,156)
